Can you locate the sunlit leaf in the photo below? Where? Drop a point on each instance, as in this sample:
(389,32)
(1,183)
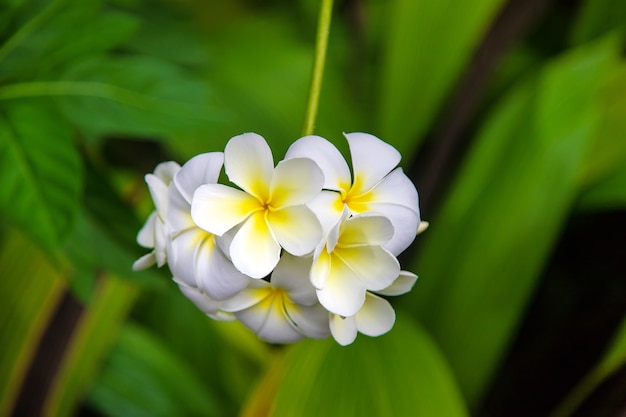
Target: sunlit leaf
(144,378)
(427,45)
(399,374)
(40,172)
(484,252)
(31,289)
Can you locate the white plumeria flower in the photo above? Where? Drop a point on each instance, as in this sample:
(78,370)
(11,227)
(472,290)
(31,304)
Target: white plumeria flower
(375,186)
(270,207)
(376,317)
(153,234)
(194,255)
(353,261)
(284,310)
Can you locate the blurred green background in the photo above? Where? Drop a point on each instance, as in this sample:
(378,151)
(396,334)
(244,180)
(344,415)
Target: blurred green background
(511,118)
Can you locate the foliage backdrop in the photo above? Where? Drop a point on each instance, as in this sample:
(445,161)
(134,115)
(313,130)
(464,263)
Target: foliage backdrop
(93,94)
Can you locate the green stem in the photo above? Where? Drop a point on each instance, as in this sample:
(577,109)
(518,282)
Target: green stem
(319,60)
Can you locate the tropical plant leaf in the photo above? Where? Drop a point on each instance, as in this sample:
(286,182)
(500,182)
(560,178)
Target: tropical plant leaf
(40,171)
(427,47)
(484,252)
(399,374)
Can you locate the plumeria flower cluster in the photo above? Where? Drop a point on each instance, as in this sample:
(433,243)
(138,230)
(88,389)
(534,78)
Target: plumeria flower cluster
(303,248)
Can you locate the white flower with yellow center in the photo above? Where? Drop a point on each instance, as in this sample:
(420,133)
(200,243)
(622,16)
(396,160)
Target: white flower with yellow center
(153,234)
(375,186)
(376,317)
(270,206)
(353,261)
(195,258)
(285,309)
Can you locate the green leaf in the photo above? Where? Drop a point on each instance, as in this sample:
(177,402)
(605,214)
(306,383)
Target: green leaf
(144,378)
(483,253)
(40,171)
(608,194)
(596,18)
(428,45)
(91,341)
(399,374)
(134,95)
(31,289)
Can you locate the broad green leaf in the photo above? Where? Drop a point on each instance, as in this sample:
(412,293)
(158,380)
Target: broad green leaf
(483,253)
(30,290)
(428,44)
(40,172)
(399,374)
(598,17)
(134,95)
(608,194)
(91,341)
(144,378)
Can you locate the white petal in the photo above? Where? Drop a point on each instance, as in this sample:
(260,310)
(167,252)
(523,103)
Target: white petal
(182,254)
(376,317)
(327,156)
(401,285)
(158,191)
(395,188)
(296,228)
(178,217)
(295,181)
(372,159)
(216,275)
(365,230)
(145,237)
(375,267)
(199,170)
(405,223)
(312,321)
(328,207)
(292,274)
(217,208)
(343,329)
(249,163)
(203,302)
(254,251)
(161,238)
(166,171)
(257,291)
(343,292)
(422,226)
(320,270)
(144,262)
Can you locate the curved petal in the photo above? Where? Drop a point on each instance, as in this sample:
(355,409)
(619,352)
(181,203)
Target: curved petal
(372,159)
(401,285)
(199,170)
(292,274)
(182,255)
(365,230)
(405,224)
(161,239)
(145,237)
(249,163)
(343,329)
(217,208)
(254,251)
(296,228)
(327,157)
(178,217)
(144,262)
(375,267)
(166,171)
(395,188)
(158,191)
(376,317)
(343,292)
(312,320)
(295,181)
(257,291)
(328,207)
(320,270)
(216,275)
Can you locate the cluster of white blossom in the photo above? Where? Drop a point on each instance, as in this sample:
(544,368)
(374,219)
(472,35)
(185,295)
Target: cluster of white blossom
(302,249)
